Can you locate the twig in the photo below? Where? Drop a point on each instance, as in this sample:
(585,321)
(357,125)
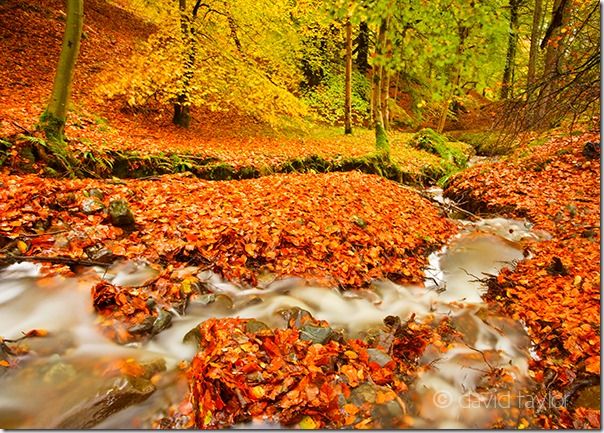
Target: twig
(401,403)
(449,204)
(21,127)
(483,356)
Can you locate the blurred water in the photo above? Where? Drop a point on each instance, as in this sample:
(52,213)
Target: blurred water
(452,288)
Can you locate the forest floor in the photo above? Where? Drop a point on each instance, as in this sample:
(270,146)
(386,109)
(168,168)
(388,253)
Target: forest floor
(337,229)
(112,138)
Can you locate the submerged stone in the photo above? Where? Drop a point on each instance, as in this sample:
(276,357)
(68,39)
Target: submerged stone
(124,392)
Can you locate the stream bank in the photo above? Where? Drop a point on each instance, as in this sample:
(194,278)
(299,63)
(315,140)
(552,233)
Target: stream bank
(556,291)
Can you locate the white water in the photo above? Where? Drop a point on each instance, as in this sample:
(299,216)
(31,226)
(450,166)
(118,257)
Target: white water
(452,289)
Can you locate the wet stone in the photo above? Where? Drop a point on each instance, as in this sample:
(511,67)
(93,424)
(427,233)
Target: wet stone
(91,205)
(144,327)
(379,357)
(295,316)
(193,336)
(96,193)
(120,213)
(124,392)
(255,326)
(163,321)
(217,301)
(364,393)
(98,253)
(588,397)
(316,334)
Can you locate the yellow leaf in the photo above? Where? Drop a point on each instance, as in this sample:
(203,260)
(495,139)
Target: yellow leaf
(307,423)
(258,391)
(350,354)
(250,249)
(22,246)
(207,419)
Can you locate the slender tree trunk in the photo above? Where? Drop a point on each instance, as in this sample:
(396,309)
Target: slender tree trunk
(533,53)
(443,117)
(511,53)
(348,90)
(363,48)
(385,95)
(396,85)
(182,106)
(381,137)
(552,56)
(455,76)
(52,121)
(371,96)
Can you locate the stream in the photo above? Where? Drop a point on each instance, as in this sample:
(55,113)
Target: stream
(77,369)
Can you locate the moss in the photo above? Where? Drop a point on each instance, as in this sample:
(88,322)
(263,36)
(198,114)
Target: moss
(382,144)
(485,143)
(4,151)
(131,164)
(452,152)
(52,127)
(312,163)
(219,171)
(248,173)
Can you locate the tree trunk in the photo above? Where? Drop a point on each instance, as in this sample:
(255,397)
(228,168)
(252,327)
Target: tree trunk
(381,138)
(385,95)
(182,106)
(552,56)
(52,121)
(533,53)
(511,53)
(396,86)
(371,96)
(363,48)
(348,90)
(455,77)
(443,117)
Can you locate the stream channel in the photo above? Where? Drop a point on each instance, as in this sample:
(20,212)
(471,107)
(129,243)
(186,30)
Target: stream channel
(64,385)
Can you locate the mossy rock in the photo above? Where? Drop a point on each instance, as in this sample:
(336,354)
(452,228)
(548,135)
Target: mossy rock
(430,141)
(120,213)
(312,164)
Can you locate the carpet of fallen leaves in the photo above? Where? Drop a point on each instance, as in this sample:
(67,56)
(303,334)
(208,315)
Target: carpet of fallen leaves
(556,292)
(245,370)
(339,229)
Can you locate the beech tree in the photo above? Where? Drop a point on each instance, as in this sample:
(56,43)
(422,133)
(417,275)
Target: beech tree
(508,71)
(52,121)
(348,86)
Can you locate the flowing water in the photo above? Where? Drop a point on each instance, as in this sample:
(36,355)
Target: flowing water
(69,365)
